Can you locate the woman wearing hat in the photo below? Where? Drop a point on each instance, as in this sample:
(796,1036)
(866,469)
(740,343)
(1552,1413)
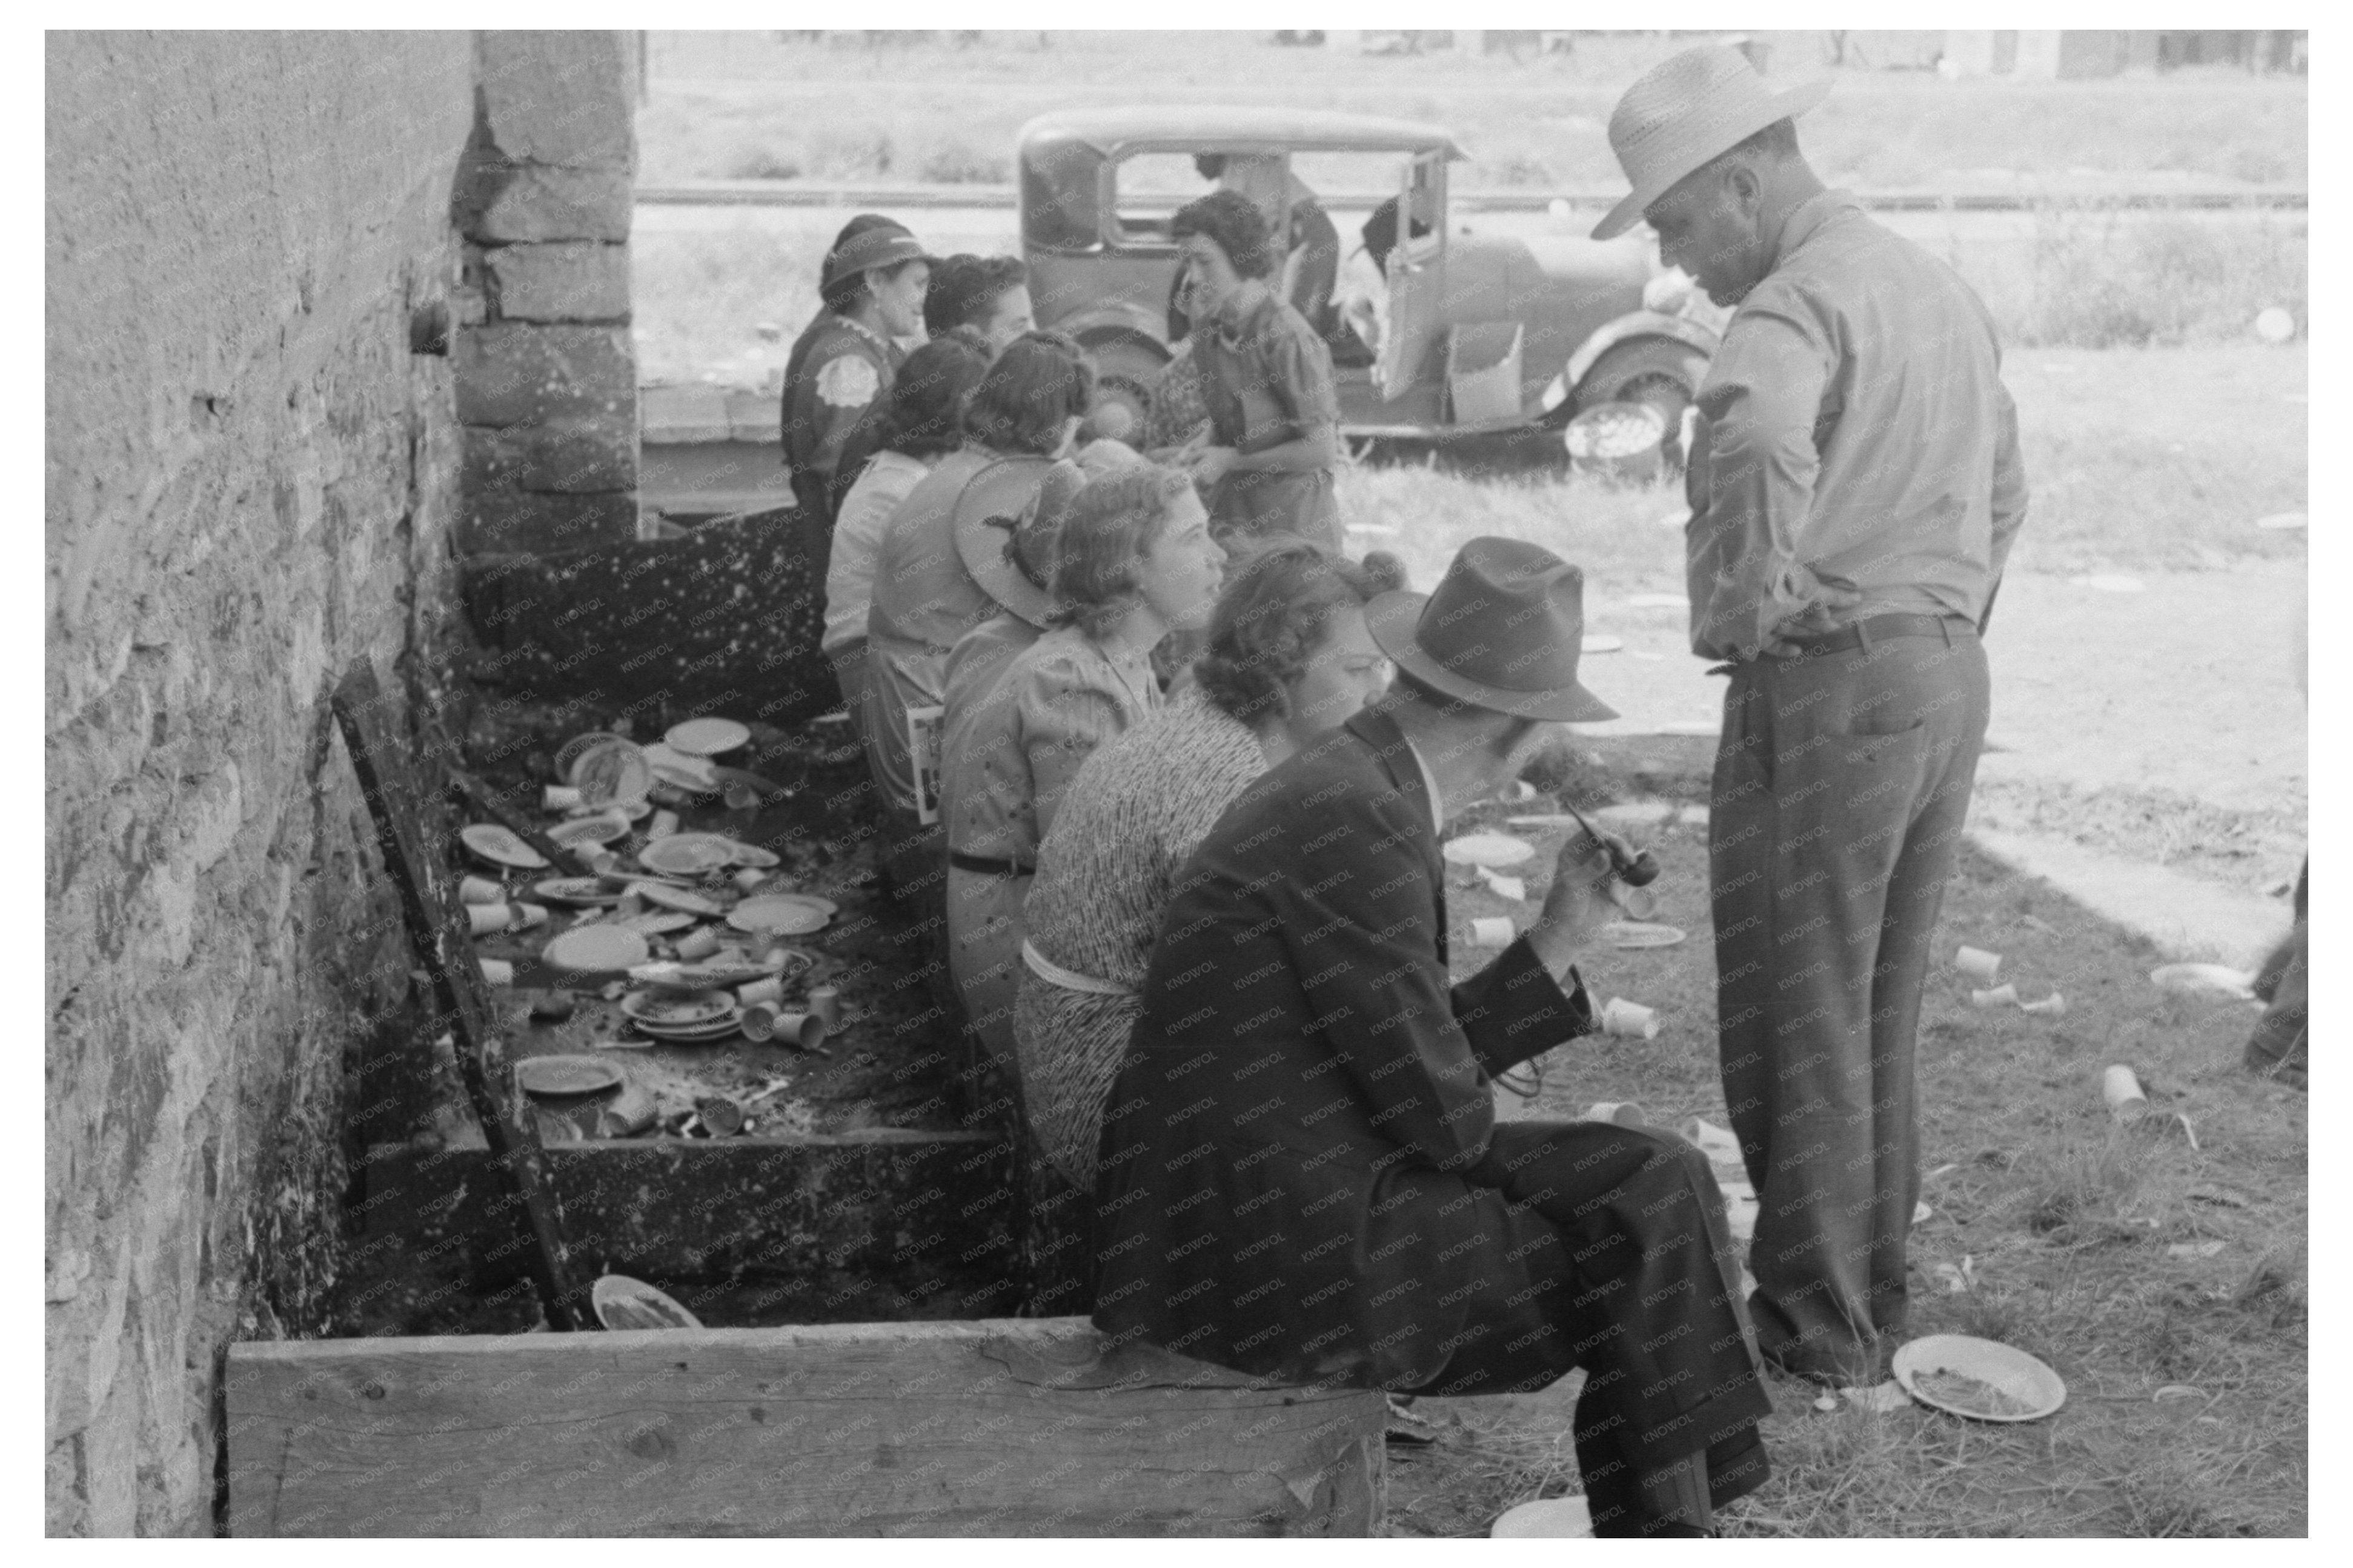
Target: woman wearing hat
(1018,421)
(1266,378)
(845,360)
(1133,562)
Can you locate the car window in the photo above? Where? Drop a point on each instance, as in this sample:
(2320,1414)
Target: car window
(1148,188)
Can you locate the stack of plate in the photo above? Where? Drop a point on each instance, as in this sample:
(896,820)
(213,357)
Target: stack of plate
(689,1018)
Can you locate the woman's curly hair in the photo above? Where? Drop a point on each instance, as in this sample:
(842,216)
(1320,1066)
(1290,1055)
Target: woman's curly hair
(1233,223)
(925,416)
(1040,381)
(1274,614)
(1112,524)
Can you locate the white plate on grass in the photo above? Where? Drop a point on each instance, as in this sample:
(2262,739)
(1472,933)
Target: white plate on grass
(706,737)
(1981,1378)
(1639,934)
(783,913)
(1493,850)
(498,846)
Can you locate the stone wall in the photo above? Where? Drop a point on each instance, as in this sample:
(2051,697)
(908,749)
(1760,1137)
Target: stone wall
(547,381)
(252,477)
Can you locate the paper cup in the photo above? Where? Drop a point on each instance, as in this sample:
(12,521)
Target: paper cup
(1624,1113)
(2054,1005)
(1979,964)
(749,878)
(759,1021)
(1491,931)
(2121,1088)
(599,860)
(480,890)
(664,824)
(486,919)
(804,1030)
(497,971)
(824,1000)
(529,916)
(1999,996)
(758,991)
(698,943)
(1629,1020)
(559,797)
(1638,903)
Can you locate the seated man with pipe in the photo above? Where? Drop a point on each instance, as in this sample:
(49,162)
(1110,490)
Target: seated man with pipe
(1301,1175)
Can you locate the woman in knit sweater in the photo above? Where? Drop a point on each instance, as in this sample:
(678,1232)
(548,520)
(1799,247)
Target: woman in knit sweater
(1288,657)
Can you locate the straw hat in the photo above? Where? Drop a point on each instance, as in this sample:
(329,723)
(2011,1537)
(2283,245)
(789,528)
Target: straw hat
(1683,112)
(1016,502)
(1504,631)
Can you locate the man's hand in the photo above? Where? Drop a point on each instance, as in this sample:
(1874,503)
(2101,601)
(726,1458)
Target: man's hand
(1577,903)
(1816,618)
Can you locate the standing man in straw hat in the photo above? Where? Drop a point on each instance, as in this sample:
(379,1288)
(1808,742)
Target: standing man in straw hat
(1855,491)
(1301,1175)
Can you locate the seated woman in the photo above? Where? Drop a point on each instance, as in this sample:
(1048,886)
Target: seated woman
(1133,561)
(1024,412)
(1288,656)
(1266,378)
(921,424)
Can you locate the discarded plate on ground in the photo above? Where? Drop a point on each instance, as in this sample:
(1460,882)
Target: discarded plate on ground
(1639,934)
(608,769)
(2218,977)
(706,737)
(603,828)
(594,949)
(1658,602)
(693,1033)
(752,857)
(1550,1519)
(576,892)
(660,925)
(1601,642)
(500,846)
(677,1012)
(622,1303)
(696,775)
(1981,1378)
(663,896)
(720,973)
(558,1077)
(688,855)
(1493,851)
(2280,521)
(1511,888)
(782,914)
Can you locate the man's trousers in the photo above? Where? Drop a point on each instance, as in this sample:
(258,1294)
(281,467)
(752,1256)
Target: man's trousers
(1841,786)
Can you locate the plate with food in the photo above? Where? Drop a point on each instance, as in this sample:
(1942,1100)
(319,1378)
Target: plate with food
(675,1010)
(688,855)
(782,914)
(576,892)
(710,972)
(706,737)
(501,846)
(561,1077)
(603,828)
(623,1304)
(1981,1378)
(595,949)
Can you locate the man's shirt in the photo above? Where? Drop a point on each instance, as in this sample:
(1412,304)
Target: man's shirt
(1855,432)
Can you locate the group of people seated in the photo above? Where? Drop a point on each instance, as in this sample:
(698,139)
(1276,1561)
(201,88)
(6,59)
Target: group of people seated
(1161,774)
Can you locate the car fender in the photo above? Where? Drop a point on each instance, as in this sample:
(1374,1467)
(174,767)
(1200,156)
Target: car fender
(1113,321)
(1638,324)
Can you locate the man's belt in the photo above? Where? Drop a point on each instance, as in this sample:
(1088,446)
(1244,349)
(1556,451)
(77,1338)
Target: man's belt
(986,868)
(1880,629)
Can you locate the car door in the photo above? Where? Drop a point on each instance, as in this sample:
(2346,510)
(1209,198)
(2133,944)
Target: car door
(1416,279)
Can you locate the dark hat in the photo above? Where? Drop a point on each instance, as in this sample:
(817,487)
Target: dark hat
(1016,502)
(1504,631)
(884,244)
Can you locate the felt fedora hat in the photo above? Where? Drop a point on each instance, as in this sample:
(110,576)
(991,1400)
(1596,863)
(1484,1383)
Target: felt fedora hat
(1016,502)
(1504,631)
(884,244)
(1684,110)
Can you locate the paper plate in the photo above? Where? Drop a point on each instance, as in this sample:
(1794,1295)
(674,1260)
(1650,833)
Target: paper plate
(688,855)
(706,737)
(660,925)
(559,1077)
(1556,1519)
(594,949)
(571,751)
(1601,642)
(622,1304)
(574,892)
(1639,934)
(610,770)
(671,1011)
(663,896)
(2219,979)
(703,975)
(1491,850)
(782,914)
(693,1033)
(495,844)
(597,830)
(1981,1378)
(696,775)
(754,857)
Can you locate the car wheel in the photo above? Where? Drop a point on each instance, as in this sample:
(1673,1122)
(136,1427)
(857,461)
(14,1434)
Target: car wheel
(1659,371)
(1126,373)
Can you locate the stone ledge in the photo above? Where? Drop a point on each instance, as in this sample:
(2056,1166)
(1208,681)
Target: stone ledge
(527,202)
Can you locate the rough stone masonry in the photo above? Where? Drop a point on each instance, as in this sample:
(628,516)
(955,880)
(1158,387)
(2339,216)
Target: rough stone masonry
(255,263)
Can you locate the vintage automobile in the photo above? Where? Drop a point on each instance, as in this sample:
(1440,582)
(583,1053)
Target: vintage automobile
(1485,332)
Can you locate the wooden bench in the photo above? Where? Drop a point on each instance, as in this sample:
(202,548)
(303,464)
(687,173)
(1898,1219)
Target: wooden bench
(1001,1427)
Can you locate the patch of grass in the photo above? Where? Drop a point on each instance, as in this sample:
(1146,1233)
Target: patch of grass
(2116,280)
